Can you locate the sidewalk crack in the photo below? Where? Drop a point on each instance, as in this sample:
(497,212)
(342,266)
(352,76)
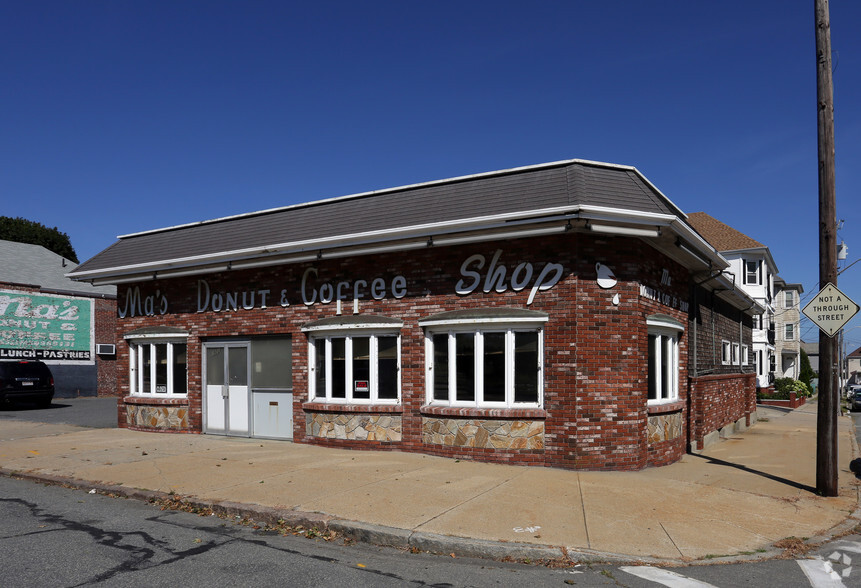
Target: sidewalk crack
(671,539)
(583,507)
(477,496)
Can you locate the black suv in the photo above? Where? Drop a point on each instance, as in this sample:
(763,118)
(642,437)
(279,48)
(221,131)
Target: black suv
(26,380)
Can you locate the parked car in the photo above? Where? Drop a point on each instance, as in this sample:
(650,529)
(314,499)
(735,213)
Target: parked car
(26,381)
(855,402)
(852,390)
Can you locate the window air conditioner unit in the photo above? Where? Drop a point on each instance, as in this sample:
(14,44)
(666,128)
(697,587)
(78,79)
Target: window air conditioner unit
(105,349)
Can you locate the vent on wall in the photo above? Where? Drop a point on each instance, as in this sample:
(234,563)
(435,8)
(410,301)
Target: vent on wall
(105,349)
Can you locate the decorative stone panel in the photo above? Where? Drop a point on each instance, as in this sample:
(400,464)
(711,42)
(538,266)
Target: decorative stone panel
(665,427)
(483,434)
(362,427)
(164,418)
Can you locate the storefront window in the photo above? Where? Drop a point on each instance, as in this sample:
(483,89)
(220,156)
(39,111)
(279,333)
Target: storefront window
(272,363)
(492,368)
(158,368)
(664,335)
(362,368)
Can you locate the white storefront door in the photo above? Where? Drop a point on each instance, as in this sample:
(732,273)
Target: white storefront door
(226,400)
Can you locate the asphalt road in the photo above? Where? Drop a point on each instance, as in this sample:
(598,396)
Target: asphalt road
(96,413)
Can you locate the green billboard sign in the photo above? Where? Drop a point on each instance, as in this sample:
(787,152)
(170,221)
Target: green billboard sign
(45,327)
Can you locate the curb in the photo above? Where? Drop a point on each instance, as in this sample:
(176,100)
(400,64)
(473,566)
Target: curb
(420,541)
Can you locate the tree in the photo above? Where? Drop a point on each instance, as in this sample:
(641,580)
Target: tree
(806,374)
(22,230)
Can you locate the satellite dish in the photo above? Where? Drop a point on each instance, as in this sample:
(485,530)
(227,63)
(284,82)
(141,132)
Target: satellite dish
(606,277)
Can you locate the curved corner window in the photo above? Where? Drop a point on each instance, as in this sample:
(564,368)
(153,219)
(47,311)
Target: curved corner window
(355,360)
(485,359)
(158,367)
(664,333)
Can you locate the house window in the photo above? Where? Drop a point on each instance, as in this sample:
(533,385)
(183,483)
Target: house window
(664,335)
(788,299)
(489,358)
(354,360)
(736,354)
(789,332)
(158,367)
(751,272)
(745,355)
(361,368)
(757,321)
(726,353)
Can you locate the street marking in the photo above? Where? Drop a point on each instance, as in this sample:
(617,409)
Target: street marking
(665,577)
(820,573)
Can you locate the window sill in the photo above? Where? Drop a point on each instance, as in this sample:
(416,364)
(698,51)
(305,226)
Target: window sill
(505,413)
(666,407)
(179,400)
(330,407)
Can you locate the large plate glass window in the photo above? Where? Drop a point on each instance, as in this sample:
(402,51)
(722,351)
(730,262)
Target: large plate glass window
(491,358)
(664,333)
(158,366)
(361,368)
(355,360)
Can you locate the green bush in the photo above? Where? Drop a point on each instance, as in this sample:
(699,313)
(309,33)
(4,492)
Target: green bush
(783,386)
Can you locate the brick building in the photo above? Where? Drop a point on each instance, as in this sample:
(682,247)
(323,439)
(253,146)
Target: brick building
(46,316)
(560,314)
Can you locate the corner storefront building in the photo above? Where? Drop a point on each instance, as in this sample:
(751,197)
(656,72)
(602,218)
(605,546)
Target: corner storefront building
(562,314)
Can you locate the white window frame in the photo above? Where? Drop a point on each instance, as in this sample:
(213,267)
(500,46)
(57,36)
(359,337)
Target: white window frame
(348,335)
(788,298)
(665,330)
(137,345)
(480,327)
(745,355)
(725,352)
(789,332)
(736,354)
(756,280)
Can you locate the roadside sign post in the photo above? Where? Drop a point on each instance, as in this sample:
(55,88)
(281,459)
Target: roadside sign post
(829,310)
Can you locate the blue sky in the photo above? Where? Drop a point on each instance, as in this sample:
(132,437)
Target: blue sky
(122,116)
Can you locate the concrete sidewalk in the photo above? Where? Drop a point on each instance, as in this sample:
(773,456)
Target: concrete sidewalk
(735,499)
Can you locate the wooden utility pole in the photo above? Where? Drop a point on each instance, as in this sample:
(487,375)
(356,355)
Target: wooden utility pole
(826,424)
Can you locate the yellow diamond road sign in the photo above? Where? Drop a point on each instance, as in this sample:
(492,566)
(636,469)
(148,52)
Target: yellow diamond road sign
(830,309)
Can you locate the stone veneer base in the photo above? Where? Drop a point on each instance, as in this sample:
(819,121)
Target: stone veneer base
(162,418)
(665,427)
(483,434)
(361,427)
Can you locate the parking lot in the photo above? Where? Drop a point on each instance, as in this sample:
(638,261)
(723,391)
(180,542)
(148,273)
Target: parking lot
(99,413)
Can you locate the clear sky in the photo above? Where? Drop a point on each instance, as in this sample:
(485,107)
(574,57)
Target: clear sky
(123,116)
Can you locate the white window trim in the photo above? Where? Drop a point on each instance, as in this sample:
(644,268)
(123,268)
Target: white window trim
(479,327)
(662,328)
(347,334)
(788,299)
(136,352)
(725,352)
(757,280)
(745,355)
(789,336)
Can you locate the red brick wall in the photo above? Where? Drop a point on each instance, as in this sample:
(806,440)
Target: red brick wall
(719,400)
(595,358)
(106,332)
